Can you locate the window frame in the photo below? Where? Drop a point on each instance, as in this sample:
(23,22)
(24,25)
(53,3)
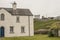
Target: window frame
(22,29)
(11,29)
(2,17)
(17,19)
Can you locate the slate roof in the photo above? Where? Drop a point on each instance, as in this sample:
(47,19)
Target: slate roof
(21,12)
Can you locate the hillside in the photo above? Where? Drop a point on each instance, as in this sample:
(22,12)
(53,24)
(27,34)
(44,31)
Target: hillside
(43,24)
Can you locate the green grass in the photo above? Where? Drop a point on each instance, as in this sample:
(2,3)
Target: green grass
(36,37)
(43,24)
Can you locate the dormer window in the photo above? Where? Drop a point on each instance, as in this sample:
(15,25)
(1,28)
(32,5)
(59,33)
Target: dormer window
(2,16)
(17,19)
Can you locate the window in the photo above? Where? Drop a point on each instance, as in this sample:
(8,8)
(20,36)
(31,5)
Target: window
(22,29)
(11,29)
(17,19)
(2,16)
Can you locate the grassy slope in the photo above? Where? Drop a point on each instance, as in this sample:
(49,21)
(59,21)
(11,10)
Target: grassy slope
(36,37)
(43,24)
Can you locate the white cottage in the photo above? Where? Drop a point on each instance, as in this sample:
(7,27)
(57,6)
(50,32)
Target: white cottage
(16,22)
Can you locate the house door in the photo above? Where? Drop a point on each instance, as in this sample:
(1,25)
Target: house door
(2,32)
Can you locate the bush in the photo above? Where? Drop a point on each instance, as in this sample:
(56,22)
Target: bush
(50,34)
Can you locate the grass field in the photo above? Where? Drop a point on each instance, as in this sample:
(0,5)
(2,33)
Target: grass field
(36,37)
(43,24)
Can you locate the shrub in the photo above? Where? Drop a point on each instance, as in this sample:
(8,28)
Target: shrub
(50,34)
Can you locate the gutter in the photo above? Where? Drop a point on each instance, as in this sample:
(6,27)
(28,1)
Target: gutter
(29,24)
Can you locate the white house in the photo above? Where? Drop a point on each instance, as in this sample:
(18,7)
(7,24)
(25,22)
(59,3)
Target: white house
(16,22)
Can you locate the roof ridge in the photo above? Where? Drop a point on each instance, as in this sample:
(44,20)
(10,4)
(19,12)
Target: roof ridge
(20,11)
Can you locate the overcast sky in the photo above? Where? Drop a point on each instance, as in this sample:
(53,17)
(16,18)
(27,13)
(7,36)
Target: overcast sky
(41,7)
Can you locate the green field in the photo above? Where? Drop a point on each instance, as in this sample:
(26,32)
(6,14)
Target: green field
(36,37)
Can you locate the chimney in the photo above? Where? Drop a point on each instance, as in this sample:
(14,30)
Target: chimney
(14,5)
